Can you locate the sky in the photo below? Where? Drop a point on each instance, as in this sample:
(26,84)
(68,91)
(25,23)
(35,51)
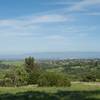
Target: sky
(49,26)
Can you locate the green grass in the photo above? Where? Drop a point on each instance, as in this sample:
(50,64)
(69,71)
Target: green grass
(59,69)
(15,62)
(75,92)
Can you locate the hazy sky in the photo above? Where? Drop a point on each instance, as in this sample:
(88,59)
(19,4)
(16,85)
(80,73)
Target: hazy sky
(49,25)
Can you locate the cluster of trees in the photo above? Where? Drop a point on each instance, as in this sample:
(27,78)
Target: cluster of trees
(31,73)
(76,69)
(84,70)
(50,72)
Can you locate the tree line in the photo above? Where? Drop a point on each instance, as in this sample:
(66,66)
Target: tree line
(31,73)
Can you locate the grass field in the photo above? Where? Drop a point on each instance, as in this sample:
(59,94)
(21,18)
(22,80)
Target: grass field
(75,92)
(15,62)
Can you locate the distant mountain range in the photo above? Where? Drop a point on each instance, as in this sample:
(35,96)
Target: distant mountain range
(54,55)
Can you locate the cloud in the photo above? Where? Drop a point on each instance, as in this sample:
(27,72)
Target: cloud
(29,25)
(55,37)
(77,6)
(34,25)
(82,5)
(33,19)
(94,13)
(50,18)
(60,3)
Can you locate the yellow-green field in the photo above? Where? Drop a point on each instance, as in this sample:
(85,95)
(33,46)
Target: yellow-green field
(77,91)
(15,62)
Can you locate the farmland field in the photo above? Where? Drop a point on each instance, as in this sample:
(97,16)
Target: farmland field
(13,62)
(77,91)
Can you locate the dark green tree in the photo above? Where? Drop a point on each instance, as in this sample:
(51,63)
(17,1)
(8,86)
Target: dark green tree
(29,64)
(32,69)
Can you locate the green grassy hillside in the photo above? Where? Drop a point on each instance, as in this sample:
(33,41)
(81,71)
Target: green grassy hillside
(75,92)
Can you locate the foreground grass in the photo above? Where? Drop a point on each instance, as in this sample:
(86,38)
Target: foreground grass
(75,92)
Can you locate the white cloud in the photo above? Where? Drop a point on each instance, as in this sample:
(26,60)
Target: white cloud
(82,5)
(76,6)
(50,18)
(60,3)
(28,25)
(24,21)
(55,37)
(94,13)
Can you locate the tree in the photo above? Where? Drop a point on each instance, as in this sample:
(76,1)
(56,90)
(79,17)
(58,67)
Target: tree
(32,69)
(29,64)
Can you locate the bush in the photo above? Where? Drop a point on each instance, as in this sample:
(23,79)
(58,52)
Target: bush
(53,79)
(89,77)
(14,76)
(2,82)
(6,82)
(34,76)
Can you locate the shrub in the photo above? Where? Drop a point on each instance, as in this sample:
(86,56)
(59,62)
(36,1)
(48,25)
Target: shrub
(53,79)
(89,77)
(15,76)
(34,76)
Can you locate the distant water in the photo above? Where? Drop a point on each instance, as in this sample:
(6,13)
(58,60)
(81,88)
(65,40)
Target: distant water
(54,55)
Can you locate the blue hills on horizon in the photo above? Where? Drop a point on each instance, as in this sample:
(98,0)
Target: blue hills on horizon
(54,55)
